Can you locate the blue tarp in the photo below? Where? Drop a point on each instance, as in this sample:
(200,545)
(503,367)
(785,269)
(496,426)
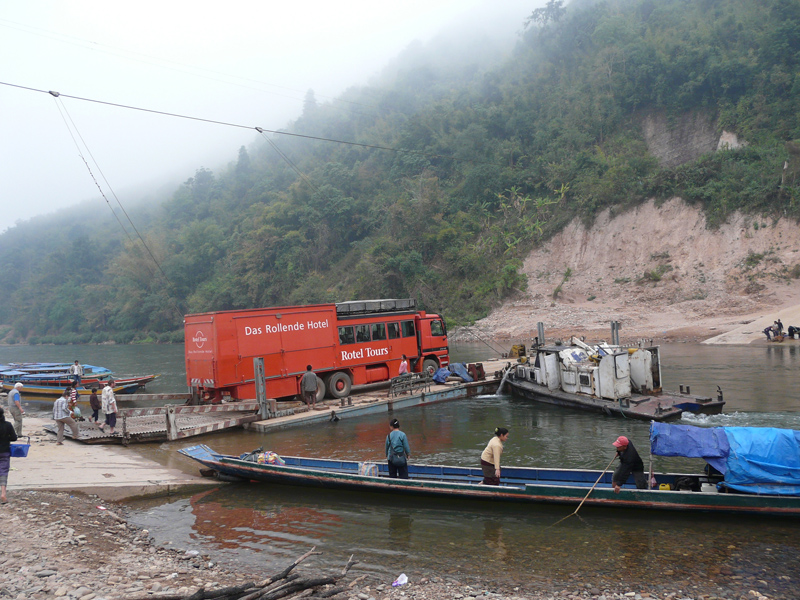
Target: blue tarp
(758,460)
(460,369)
(441,375)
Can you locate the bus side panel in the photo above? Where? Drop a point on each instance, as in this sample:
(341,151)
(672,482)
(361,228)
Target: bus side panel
(287,341)
(199,353)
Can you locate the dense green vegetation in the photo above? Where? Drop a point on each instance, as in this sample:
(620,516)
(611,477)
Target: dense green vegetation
(490,160)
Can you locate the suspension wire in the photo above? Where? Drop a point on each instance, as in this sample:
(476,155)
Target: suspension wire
(483,340)
(262,129)
(63,110)
(289,161)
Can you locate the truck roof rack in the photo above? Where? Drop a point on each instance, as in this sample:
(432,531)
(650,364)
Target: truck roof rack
(361,307)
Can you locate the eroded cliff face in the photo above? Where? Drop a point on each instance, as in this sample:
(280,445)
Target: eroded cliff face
(675,141)
(656,269)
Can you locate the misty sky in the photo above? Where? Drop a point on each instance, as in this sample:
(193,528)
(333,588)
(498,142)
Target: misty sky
(245,62)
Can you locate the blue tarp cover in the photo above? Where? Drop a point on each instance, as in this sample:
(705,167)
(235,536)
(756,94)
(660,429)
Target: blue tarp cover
(441,375)
(758,460)
(460,369)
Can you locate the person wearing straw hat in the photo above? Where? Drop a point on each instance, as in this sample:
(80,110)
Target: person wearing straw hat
(15,407)
(629,463)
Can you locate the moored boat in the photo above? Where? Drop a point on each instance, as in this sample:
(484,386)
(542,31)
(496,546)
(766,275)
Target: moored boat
(122,385)
(741,471)
(610,379)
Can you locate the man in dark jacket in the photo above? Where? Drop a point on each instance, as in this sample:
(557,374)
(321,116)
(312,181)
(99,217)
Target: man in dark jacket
(629,462)
(308,385)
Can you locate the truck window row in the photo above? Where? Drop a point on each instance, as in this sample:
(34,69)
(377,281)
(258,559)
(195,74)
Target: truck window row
(375,332)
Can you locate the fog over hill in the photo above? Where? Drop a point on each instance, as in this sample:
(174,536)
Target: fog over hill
(433,174)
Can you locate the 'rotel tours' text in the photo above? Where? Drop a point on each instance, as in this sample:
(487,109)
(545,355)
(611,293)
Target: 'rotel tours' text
(368,352)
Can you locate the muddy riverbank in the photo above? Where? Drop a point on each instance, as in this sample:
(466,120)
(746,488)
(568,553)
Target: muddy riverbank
(69,545)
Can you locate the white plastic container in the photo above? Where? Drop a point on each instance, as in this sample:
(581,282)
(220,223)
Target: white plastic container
(708,488)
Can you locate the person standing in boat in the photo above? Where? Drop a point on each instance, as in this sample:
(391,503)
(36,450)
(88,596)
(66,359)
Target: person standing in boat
(76,370)
(490,458)
(15,407)
(308,385)
(397,451)
(629,463)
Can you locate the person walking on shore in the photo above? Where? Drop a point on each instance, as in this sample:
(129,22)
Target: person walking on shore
(94,402)
(7,435)
(109,403)
(63,416)
(490,458)
(15,407)
(308,385)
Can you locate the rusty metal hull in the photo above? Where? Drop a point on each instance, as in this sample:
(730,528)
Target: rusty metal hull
(653,407)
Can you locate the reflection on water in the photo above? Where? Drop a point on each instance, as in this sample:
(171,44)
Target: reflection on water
(262,528)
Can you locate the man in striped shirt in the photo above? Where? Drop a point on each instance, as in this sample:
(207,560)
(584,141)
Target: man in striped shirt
(63,416)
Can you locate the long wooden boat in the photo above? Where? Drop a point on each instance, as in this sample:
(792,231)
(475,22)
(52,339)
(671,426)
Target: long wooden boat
(54,374)
(613,380)
(126,385)
(519,484)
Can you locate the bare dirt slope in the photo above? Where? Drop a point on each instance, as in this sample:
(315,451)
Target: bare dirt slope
(660,272)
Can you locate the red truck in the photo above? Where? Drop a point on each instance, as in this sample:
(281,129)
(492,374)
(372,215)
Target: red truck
(346,344)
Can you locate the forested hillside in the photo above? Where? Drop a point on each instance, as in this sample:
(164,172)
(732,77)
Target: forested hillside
(455,169)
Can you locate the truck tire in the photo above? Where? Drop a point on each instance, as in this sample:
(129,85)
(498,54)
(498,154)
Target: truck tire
(339,385)
(430,366)
(320,389)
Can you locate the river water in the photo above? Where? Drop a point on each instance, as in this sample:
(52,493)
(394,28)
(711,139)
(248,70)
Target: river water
(262,528)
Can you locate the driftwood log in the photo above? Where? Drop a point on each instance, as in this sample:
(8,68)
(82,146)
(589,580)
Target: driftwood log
(284,584)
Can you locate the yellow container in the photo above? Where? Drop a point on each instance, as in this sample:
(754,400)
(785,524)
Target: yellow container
(664,486)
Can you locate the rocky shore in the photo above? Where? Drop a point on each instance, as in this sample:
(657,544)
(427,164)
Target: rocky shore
(72,546)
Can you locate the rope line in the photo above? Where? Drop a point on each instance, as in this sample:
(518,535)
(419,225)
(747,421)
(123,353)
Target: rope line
(262,129)
(63,110)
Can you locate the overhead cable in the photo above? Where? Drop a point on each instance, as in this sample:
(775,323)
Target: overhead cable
(262,129)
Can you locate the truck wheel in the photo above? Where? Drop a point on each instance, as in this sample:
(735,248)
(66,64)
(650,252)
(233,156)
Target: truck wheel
(339,385)
(320,389)
(429,367)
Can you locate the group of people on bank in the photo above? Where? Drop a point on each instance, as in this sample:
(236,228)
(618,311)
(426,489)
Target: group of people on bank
(66,412)
(65,409)
(398,451)
(775,331)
